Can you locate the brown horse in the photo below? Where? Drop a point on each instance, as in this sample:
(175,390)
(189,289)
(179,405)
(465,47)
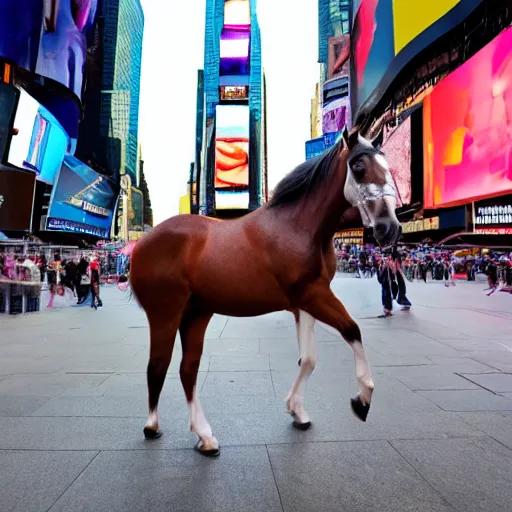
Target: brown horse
(279,257)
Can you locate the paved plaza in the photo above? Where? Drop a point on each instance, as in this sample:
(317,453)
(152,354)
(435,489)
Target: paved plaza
(438,437)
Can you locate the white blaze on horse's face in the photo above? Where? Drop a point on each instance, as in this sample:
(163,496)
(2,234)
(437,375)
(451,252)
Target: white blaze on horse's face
(376,201)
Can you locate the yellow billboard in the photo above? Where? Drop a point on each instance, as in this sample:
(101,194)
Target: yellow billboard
(410,22)
(185,204)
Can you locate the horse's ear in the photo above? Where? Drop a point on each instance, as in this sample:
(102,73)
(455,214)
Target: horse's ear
(353,139)
(346,136)
(378,140)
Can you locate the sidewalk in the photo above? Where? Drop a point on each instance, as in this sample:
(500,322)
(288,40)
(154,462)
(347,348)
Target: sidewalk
(439,434)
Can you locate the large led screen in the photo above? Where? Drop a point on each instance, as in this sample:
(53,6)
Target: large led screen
(232,146)
(388,34)
(48,146)
(16,199)
(338,63)
(397,150)
(234,52)
(82,200)
(237,12)
(468,129)
(24,119)
(335,115)
(48,37)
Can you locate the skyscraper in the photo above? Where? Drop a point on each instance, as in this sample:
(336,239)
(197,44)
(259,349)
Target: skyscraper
(230,166)
(109,131)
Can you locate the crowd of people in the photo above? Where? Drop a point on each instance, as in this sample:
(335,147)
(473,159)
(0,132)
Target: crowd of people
(424,263)
(78,277)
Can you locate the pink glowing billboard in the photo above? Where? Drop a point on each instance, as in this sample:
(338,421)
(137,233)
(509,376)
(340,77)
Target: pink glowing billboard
(468,129)
(397,150)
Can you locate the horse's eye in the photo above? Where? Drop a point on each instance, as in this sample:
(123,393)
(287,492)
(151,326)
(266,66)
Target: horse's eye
(357,166)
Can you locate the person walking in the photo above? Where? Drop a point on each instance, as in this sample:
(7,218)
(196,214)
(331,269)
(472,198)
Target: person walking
(94,274)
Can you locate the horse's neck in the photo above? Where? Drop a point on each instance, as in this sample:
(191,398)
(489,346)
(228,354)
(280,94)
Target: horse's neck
(323,211)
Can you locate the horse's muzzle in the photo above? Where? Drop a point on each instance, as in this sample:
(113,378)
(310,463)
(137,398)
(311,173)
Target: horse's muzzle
(387,232)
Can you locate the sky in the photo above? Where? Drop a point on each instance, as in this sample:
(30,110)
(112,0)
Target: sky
(173,51)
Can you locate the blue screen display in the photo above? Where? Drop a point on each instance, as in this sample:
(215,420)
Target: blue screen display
(82,200)
(48,146)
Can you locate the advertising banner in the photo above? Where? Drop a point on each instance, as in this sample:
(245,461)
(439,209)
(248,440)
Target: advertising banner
(397,149)
(388,34)
(335,115)
(16,199)
(494,216)
(234,52)
(232,146)
(48,37)
(40,143)
(468,127)
(338,63)
(48,146)
(314,147)
(236,13)
(82,200)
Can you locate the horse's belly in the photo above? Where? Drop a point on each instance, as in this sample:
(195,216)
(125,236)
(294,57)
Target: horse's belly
(239,293)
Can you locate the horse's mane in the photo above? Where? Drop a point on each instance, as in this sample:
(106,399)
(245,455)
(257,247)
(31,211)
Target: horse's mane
(305,178)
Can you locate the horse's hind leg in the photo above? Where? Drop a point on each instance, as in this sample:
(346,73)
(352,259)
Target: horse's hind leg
(192,330)
(162,336)
(307,362)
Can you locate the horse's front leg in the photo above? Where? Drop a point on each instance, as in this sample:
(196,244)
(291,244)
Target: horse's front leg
(323,305)
(307,349)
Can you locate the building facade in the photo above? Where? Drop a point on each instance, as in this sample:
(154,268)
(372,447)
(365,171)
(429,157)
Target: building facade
(229,175)
(113,89)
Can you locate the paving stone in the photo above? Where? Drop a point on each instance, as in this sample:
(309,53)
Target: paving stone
(423,378)
(349,477)
(498,425)
(182,481)
(472,474)
(497,382)
(256,362)
(20,405)
(238,384)
(461,364)
(50,385)
(468,400)
(33,481)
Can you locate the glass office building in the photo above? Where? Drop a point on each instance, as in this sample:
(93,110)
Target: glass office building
(112,90)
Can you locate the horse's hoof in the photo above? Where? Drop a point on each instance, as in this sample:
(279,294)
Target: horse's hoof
(359,409)
(215,452)
(302,426)
(151,434)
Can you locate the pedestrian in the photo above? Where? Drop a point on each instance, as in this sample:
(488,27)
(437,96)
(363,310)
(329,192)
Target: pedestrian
(94,275)
(401,299)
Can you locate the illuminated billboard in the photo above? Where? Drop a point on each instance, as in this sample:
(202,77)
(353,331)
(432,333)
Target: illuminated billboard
(48,146)
(40,143)
(237,12)
(234,92)
(468,127)
(234,52)
(232,146)
(397,150)
(48,37)
(338,63)
(24,119)
(335,115)
(388,34)
(82,200)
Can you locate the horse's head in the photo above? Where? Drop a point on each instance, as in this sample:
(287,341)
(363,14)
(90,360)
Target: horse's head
(370,187)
